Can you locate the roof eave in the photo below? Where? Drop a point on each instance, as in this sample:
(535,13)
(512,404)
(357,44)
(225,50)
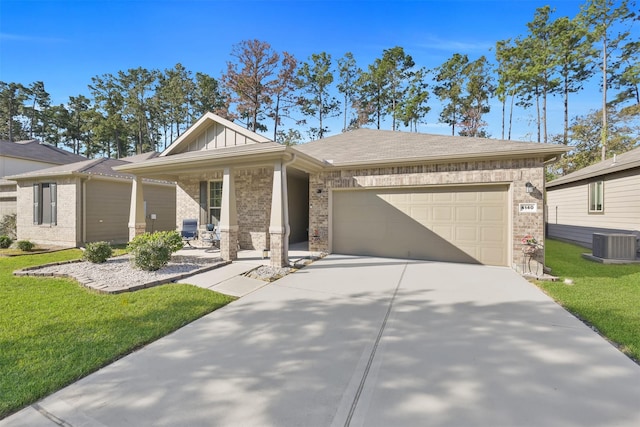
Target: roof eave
(546,154)
(594,174)
(205,160)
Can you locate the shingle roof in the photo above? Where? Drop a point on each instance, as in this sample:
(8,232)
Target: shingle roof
(95,167)
(620,162)
(369,146)
(34,150)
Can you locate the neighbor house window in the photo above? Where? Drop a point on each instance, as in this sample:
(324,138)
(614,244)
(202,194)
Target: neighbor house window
(45,209)
(596,196)
(215,202)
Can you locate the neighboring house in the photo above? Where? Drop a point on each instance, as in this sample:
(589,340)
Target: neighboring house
(601,198)
(365,192)
(26,156)
(88,201)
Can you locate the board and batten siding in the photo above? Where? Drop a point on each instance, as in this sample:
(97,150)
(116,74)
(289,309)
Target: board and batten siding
(568,214)
(107,207)
(217,136)
(160,200)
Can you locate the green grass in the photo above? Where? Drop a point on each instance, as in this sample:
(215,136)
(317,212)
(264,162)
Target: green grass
(606,296)
(53,331)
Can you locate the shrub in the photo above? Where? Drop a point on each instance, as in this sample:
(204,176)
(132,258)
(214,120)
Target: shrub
(153,251)
(151,256)
(97,252)
(25,245)
(8,226)
(5,242)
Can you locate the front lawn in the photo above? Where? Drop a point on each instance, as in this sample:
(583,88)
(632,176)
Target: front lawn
(53,331)
(605,296)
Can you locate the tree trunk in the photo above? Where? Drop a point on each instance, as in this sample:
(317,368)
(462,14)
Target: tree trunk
(565,137)
(276,112)
(513,97)
(604,97)
(504,106)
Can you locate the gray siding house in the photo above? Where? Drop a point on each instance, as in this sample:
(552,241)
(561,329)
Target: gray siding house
(601,198)
(364,192)
(88,201)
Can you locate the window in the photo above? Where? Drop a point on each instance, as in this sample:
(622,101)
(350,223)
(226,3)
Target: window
(215,202)
(596,197)
(45,210)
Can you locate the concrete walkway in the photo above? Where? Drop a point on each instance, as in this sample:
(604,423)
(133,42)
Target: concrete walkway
(366,342)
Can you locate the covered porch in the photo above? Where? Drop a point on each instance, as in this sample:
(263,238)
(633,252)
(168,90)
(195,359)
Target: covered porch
(257,196)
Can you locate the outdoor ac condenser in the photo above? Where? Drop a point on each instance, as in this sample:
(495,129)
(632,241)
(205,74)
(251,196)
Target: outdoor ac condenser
(614,246)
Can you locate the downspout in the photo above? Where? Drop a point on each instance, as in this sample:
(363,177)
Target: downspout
(83,213)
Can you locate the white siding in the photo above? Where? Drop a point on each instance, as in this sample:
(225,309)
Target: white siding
(13,166)
(569,205)
(568,214)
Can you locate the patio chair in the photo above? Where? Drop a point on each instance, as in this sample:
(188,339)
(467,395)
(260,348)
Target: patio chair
(189,230)
(211,235)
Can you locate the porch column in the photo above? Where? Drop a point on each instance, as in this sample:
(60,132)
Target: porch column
(137,220)
(228,218)
(279,226)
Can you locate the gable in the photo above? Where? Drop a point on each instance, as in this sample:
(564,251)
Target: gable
(212,132)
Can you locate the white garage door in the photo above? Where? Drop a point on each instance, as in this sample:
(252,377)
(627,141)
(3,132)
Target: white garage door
(466,224)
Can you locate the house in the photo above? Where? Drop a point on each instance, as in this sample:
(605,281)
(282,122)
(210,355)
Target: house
(601,198)
(77,203)
(365,192)
(26,156)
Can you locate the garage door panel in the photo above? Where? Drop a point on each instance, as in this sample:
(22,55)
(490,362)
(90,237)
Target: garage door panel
(492,214)
(443,214)
(459,225)
(467,213)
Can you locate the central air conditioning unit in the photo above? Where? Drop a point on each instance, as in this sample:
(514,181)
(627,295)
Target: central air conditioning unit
(614,246)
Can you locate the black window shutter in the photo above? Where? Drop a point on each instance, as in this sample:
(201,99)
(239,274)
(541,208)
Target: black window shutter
(54,205)
(204,189)
(36,203)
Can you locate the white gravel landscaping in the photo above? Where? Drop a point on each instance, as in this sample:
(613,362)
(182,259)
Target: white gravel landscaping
(119,275)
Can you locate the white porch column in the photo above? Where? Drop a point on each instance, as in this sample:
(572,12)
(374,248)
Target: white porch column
(228,218)
(279,225)
(137,220)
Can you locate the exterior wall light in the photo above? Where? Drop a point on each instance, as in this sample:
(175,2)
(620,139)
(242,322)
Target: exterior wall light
(529,187)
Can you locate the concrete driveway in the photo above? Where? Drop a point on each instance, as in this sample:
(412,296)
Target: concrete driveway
(366,341)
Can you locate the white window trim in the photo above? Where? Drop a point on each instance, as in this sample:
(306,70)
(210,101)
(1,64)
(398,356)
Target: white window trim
(599,196)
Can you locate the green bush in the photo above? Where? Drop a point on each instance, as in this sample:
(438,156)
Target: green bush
(5,242)
(151,256)
(153,251)
(26,245)
(97,252)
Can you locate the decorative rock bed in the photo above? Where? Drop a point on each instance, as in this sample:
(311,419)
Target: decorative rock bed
(117,275)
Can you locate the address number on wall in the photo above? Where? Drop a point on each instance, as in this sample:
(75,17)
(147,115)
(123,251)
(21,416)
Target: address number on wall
(528,207)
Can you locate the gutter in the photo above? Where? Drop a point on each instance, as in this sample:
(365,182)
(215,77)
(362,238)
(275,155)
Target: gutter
(457,157)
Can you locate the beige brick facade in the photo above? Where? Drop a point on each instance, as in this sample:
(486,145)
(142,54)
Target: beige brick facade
(253,203)
(67,231)
(514,172)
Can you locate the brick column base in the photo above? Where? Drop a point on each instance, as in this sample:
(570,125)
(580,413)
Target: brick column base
(229,244)
(139,228)
(276,251)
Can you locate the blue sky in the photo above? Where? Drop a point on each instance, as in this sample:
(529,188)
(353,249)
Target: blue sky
(65,43)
